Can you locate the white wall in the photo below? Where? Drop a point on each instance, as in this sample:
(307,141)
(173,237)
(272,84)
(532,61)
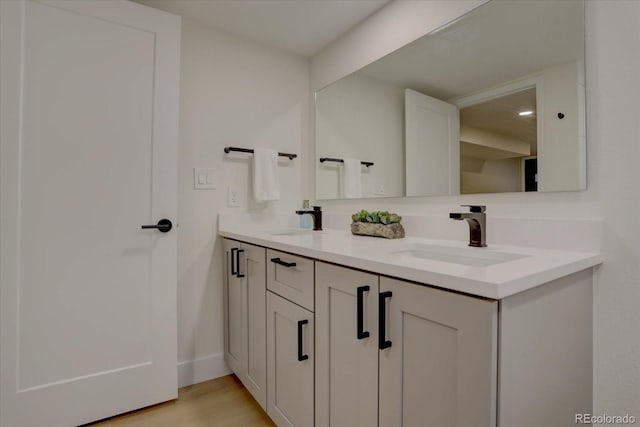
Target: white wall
(494,176)
(362,118)
(561,152)
(561,143)
(613,126)
(236,93)
(482,139)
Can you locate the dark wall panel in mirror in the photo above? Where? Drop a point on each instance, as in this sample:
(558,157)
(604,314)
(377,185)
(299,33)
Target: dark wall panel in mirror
(491,102)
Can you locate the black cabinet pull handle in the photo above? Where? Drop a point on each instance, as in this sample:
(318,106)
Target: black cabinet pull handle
(283,263)
(360,309)
(233,261)
(164,226)
(301,356)
(382,320)
(238,252)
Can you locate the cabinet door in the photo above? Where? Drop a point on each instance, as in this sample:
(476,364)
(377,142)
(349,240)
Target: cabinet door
(254,269)
(346,347)
(290,359)
(440,365)
(234,297)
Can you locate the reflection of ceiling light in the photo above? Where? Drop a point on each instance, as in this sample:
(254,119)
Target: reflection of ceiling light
(525,113)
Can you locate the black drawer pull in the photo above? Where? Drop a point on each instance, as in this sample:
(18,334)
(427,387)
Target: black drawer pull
(383,342)
(301,356)
(283,263)
(361,334)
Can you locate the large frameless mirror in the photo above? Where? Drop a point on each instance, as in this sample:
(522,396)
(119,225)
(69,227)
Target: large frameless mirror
(492,102)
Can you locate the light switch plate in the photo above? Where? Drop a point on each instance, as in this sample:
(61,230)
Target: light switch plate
(204,179)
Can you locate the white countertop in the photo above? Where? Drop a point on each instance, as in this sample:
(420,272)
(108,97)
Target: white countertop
(538,266)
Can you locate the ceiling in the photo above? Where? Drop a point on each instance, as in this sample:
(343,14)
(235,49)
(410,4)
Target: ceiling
(500,116)
(495,43)
(301,27)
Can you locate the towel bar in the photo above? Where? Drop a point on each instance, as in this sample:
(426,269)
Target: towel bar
(249,150)
(329,159)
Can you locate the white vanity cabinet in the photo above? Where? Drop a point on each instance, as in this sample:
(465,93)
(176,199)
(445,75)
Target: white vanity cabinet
(393,353)
(436,358)
(244,311)
(290,339)
(319,344)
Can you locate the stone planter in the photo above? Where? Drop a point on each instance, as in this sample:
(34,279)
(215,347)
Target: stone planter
(388,231)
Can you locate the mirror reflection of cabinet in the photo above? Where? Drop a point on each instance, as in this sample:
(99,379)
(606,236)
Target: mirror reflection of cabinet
(484,63)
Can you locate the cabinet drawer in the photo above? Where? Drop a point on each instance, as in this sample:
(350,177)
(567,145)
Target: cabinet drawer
(291,277)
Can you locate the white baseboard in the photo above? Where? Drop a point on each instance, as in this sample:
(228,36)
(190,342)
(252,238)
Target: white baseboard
(202,369)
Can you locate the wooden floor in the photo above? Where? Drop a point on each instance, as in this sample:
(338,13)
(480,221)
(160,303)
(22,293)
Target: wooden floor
(220,402)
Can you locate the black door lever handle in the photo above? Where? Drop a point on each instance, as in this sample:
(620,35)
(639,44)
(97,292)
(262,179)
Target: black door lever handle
(164,225)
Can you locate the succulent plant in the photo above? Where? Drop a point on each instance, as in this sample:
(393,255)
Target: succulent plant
(377,217)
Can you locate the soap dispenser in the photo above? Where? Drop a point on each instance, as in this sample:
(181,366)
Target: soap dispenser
(305,220)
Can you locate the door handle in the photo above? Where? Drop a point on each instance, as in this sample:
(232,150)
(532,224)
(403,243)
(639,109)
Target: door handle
(283,263)
(382,320)
(360,333)
(301,356)
(238,265)
(234,272)
(164,226)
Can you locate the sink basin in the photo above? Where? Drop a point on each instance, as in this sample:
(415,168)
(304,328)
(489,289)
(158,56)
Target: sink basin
(477,257)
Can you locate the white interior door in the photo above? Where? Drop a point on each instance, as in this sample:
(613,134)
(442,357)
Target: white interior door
(432,146)
(89,99)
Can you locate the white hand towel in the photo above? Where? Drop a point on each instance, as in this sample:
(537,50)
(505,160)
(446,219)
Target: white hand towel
(352,181)
(266,181)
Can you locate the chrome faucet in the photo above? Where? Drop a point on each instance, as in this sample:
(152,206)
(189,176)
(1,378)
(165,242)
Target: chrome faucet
(316,214)
(477,220)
